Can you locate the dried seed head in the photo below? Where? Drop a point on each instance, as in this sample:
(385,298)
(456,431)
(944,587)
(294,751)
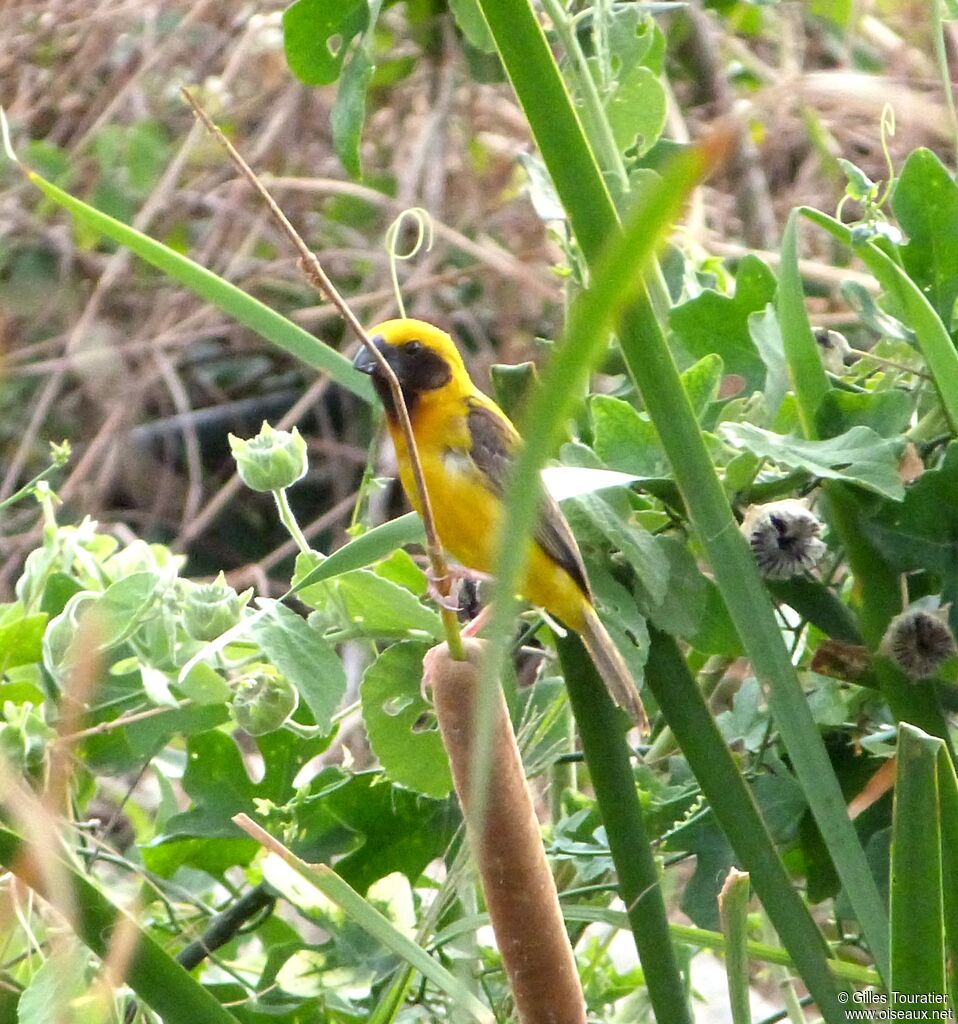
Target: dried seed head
(833,348)
(918,641)
(785,537)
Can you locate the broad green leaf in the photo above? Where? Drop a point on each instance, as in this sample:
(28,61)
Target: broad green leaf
(635,100)
(624,439)
(701,382)
(59,990)
(764,331)
(922,531)
(204,685)
(636,110)
(621,616)
(121,608)
(365,549)
(858,456)
(714,323)
(317,34)
(304,657)
(886,412)
(401,725)
(21,640)
(926,205)
(472,23)
(379,607)
(372,828)
(636,544)
(349,110)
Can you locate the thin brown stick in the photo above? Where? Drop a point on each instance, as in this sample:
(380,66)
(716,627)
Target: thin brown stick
(118,723)
(313,271)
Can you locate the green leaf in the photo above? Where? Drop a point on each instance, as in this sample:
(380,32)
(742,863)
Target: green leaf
(624,439)
(152,973)
(401,725)
(349,110)
(715,323)
(472,24)
(372,828)
(888,413)
(304,657)
(765,333)
(365,549)
(636,544)
(858,456)
(122,606)
(701,382)
(922,531)
(204,685)
(635,100)
(317,34)
(21,640)
(926,205)
(57,989)
(379,607)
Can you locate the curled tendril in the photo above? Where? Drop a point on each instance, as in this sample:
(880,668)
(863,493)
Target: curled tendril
(425,234)
(887,132)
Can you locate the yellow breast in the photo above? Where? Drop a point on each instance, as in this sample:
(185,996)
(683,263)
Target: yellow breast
(468,514)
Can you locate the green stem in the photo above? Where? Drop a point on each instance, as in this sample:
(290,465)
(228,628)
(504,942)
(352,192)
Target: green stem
(558,132)
(289,520)
(610,768)
(688,716)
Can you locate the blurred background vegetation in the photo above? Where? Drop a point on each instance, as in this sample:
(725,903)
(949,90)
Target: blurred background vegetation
(147,380)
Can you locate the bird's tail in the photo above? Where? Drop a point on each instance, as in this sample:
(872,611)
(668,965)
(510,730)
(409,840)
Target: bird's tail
(612,668)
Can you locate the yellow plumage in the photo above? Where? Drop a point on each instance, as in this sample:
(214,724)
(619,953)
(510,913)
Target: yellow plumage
(466,444)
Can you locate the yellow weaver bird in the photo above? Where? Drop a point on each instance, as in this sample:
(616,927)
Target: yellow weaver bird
(466,445)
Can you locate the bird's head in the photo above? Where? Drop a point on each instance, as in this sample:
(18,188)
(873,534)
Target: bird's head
(423,358)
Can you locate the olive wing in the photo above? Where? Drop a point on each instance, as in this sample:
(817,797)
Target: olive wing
(493,447)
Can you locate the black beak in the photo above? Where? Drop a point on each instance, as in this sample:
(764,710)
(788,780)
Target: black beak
(364,361)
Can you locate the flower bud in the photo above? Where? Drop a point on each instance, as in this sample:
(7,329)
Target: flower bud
(271,460)
(918,641)
(263,701)
(785,538)
(211,609)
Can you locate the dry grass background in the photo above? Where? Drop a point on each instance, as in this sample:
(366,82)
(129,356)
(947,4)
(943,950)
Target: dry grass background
(146,380)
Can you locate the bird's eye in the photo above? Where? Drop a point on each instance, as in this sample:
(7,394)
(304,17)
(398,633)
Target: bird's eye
(412,347)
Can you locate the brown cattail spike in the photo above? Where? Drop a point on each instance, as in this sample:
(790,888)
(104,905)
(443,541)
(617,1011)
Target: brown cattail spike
(518,885)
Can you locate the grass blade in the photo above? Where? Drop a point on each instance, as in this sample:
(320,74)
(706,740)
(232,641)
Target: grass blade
(225,296)
(688,716)
(152,973)
(917,921)
(610,768)
(733,906)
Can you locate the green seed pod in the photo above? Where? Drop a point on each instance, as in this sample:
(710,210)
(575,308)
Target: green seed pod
(271,460)
(211,609)
(263,701)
